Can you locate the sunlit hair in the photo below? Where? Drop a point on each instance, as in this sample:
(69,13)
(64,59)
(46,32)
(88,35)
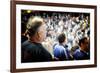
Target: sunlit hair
(33,25)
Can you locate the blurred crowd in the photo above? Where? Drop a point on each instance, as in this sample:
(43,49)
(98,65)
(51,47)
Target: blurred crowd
(75,26)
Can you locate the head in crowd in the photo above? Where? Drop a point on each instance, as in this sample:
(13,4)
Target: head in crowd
(84,44)
(62,39)
(36,29)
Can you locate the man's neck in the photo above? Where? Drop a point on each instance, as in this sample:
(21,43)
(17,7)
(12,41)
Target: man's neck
(34,40)
(82,49)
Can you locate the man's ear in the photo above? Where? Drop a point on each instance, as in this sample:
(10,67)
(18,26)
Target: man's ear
(82,44)
(38,35)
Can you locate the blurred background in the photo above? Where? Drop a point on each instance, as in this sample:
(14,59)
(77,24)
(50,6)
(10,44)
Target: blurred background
(74,25)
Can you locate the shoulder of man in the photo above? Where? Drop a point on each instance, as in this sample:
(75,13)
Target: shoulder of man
(77,53)
(28,45)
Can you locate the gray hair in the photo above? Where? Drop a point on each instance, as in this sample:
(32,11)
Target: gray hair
(33,24)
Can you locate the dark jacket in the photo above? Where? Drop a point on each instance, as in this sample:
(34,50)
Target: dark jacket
(34,52)
(23,38)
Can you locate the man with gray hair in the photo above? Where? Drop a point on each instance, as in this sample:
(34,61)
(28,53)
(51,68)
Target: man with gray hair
(32,49)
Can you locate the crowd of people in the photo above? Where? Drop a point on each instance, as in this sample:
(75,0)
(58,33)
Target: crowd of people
(65,36)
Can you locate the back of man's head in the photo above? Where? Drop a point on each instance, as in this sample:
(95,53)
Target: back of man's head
(61,38)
